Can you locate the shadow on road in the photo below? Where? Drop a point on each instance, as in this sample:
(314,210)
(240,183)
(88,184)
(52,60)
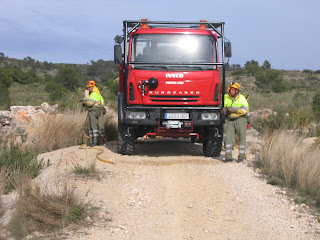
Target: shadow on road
(165,147)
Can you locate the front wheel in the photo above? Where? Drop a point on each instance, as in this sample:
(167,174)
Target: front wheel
(212,142)
(125,140)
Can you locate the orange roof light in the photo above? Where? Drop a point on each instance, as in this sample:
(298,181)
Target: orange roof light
(203,26)
(144,25)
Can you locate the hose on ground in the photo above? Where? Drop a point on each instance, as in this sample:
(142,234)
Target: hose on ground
(101,150)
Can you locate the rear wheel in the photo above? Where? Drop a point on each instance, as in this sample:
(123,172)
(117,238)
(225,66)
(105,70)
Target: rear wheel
(212,142)
(125,140)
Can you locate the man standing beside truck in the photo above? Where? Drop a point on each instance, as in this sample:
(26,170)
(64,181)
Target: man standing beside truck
(96,111)
(236,109)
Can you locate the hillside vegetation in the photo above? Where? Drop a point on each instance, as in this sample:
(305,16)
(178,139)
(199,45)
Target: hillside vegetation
(30,82)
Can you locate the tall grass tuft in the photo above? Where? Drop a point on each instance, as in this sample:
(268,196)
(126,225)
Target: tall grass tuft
(43,212)
(285,158)
(56,131)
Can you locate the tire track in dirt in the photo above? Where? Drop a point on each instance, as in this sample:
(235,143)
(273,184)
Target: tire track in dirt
(170,191)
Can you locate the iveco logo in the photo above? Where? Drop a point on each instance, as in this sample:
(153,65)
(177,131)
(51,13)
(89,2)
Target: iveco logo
(174,75)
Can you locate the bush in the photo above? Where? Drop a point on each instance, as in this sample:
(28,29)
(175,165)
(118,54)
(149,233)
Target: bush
(5,77)
(56,91)
(43,212)
(251,66)
(68,77)
(113,87)
(307,71)
(14,159)
(294,119)
(4,96)
(271,79)
(316,105)
(22,77)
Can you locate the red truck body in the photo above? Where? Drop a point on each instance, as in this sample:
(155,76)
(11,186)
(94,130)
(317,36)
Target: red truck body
(170,83)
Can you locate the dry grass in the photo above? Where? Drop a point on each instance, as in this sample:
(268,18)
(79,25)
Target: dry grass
(3,183)
(40,211)
(285,158)
(3,180)
(57,131)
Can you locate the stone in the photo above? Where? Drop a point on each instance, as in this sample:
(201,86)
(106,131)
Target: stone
(122,227)
(45,106)
(257,158)
(310,141)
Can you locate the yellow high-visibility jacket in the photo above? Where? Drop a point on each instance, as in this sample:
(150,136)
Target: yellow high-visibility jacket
(95,99)
(240,105)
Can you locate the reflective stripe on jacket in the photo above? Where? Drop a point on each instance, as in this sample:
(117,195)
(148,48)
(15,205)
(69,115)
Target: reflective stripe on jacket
(240,104)
(95,100)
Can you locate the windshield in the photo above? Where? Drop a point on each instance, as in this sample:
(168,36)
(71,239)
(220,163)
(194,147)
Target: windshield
(174,48)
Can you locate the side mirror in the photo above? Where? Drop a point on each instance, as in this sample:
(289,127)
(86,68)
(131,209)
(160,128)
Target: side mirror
(227,49)
(117,54)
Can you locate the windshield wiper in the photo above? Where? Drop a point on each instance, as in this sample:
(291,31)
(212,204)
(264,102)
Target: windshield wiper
(187,67)
(146,67)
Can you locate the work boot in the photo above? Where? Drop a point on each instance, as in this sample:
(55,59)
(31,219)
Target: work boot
(227,160)
(92,144)
(240,160)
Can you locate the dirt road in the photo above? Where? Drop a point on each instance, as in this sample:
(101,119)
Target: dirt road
(170,191)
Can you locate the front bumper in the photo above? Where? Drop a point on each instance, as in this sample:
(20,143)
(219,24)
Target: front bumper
(154,114)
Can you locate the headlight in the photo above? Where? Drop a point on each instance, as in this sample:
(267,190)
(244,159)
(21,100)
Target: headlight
(136,115)
(210,116)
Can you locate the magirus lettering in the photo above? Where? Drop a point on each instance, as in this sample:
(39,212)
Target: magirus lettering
(174,75)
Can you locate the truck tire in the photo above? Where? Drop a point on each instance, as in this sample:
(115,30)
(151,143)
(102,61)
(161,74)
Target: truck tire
(212,144)
(125,143)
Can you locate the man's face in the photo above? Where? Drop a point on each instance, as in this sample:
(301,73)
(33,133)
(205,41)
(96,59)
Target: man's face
(233,92)
(90,89)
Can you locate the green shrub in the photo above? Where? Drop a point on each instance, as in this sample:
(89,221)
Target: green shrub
(316,105)
(294,119)
(307,71)
(113,87)
(318,130)
(68,77)
(269,124)
(16,159)
(252,66)
(22,77)
(301,100)
(56,91)
(271,79)
(5,77)
(4,96)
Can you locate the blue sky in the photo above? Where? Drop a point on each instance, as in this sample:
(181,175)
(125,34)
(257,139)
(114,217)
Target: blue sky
(284,32)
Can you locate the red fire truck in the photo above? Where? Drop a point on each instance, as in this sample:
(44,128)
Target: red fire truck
(170,84)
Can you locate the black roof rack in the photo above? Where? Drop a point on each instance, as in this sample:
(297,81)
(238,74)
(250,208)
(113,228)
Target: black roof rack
(130,25)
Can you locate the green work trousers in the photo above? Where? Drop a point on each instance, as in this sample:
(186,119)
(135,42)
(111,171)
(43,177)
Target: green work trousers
(232,127)
(95,125)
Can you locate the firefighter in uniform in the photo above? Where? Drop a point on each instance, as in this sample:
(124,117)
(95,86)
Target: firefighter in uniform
(96,111)
(236,109)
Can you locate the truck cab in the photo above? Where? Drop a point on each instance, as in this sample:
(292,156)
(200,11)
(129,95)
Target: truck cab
(170,83)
